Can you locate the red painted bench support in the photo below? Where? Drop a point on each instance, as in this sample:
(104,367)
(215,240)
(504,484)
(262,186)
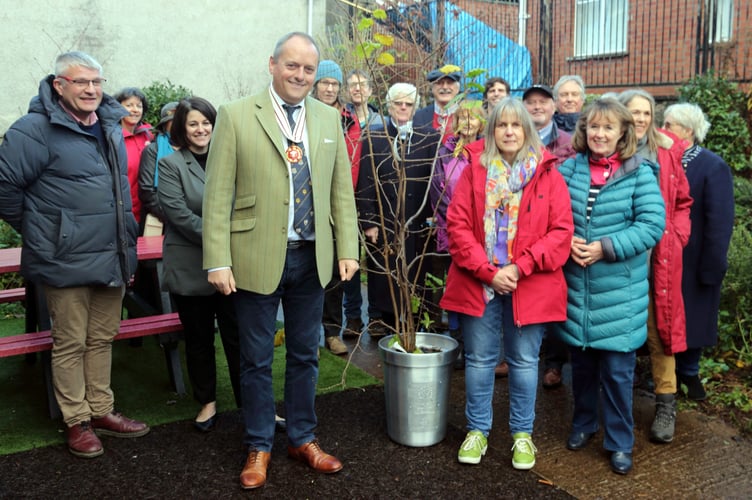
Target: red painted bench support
(167,326)
(12,295)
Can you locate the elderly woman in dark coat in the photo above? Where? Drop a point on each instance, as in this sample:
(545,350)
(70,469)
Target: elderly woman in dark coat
(712,188)
(388,152)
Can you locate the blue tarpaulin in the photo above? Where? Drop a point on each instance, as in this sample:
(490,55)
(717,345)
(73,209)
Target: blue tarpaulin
(470,43)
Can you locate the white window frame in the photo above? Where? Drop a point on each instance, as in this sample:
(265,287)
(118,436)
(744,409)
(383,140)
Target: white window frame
(722,12)
(600,27)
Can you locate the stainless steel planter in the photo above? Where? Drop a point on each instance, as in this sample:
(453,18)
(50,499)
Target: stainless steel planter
(417,390)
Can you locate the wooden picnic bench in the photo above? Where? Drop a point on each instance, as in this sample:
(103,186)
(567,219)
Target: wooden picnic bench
(166,326)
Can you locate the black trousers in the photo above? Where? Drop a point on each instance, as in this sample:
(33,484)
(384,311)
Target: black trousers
(198,315)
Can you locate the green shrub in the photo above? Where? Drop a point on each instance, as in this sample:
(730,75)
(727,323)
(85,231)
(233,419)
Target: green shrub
(9,238)
(726,109)
(158,94)
(734,334)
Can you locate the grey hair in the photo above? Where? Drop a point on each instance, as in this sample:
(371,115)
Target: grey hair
(403,90)
(75,59)
(569,78)
(279,47)
(515,107)
(689,115)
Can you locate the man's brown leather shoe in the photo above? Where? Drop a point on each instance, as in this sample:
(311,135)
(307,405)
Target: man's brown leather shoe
(115,424)
(316,458)
(501,370)
(254,471)
(82,441)
(552,378)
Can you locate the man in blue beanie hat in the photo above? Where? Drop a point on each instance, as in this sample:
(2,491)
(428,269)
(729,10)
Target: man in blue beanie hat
(326,88)
(328,82)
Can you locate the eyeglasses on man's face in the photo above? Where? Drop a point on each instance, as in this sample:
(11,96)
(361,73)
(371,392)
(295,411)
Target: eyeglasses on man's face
(399,104)
(83,82)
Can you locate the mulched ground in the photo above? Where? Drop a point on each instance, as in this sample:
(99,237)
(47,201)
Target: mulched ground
(175,461)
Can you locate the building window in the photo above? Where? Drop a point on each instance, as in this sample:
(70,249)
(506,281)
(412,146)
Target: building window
(721,14)
(600,27)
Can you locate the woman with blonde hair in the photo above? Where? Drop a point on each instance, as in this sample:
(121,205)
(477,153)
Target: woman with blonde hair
(667,332)
(510,227)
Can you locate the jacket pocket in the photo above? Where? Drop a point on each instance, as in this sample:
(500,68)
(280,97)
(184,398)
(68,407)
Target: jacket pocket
(239,225)
(243,215)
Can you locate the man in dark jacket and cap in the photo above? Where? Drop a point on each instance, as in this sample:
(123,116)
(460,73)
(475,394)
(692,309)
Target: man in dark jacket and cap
(64,187)
(445,85)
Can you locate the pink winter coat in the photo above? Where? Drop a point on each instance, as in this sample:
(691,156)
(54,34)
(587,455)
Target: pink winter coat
(541,247)
(666,261)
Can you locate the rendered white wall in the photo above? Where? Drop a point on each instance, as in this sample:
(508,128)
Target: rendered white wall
(217,48)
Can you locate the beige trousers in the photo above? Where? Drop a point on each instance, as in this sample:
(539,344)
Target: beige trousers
(85,320)
(662,366)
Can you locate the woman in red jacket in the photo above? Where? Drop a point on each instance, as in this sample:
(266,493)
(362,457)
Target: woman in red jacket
(510,230)
(137,136)
(667,329)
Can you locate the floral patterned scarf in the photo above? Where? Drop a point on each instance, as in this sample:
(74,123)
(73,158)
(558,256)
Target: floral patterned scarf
(503,194)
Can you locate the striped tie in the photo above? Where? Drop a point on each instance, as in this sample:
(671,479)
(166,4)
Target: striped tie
(301,181)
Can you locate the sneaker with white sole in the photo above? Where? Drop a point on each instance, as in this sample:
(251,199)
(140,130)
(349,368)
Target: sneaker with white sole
(524,450)
(473,448)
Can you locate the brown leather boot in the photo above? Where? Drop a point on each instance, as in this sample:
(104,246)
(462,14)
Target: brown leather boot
(82,441)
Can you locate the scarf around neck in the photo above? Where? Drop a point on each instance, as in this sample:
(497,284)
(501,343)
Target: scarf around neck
(504,184)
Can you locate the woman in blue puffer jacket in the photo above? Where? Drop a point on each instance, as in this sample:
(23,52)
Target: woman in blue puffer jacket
(619,217)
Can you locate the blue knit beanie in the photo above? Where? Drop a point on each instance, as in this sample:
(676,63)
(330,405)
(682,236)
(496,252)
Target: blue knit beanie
(329,69)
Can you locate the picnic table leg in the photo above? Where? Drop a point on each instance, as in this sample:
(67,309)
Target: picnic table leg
(38,320)
(174,366)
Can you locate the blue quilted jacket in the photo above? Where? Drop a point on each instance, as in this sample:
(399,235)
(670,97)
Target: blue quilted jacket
(67,197)
(607,302)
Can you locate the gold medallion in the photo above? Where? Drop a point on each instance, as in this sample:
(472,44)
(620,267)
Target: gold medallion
(294,153)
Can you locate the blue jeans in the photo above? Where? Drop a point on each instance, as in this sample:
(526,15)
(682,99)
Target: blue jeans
(604,377)
(353,297)
(688,362)
(302,300)
(482,338)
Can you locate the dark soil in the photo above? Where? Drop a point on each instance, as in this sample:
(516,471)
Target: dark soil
(175,461)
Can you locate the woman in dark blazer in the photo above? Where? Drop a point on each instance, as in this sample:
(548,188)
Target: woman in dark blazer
(711,185)
(181,193)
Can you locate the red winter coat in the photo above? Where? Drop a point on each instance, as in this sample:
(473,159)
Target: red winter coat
(540,249)
(667,259)
(135,143)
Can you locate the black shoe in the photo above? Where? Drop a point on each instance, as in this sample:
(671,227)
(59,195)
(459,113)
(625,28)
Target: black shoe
(621,462)
(377,329)
(206,425)
(280,426)
(695,390)
(459,362)
(578,440)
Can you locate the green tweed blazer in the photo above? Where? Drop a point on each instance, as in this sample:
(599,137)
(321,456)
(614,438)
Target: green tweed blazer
(247,198)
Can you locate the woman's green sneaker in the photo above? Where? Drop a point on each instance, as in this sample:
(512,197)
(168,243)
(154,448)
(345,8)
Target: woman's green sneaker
(524,450)
(474,447)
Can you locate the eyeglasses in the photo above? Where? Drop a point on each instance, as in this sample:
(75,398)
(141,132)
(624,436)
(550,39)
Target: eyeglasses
(324,84)
(82,82)
(399,104)
(358,85)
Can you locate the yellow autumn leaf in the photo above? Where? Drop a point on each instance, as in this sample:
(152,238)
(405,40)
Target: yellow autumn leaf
(385,40)
(450,68)
(385,59)
(740,363)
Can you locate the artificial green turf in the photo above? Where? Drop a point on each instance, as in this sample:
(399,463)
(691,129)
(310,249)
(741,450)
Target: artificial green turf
(142,390)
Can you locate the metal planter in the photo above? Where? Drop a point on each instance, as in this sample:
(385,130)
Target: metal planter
(416,387)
